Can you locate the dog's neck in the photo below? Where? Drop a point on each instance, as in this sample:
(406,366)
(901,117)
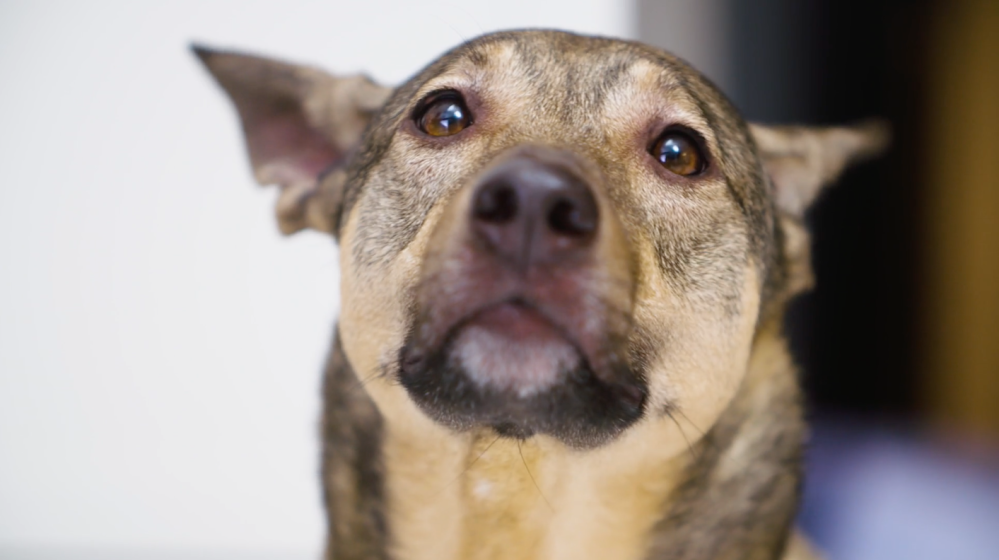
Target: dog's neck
(478,496)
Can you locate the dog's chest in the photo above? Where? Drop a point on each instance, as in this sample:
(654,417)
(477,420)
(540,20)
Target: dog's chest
(526,501)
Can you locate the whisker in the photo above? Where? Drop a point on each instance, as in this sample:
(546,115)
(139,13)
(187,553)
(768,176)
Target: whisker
(708,441)
(361,383)
(526,468)
(686,440)
(689,421)
(468,467)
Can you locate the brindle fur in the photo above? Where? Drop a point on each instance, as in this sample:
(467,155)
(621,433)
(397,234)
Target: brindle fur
(747,512)
(714,467)
(352,472)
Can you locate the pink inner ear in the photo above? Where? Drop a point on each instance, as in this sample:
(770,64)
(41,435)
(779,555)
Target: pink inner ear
(283,147)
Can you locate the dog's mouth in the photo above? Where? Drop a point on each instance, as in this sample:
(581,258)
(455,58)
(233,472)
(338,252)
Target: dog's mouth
(512,346)
(513,366)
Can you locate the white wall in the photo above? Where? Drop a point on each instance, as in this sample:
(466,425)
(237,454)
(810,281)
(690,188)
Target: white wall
(160,344)
(696,30)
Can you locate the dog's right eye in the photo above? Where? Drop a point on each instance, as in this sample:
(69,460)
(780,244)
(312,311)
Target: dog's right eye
(678,152)
(444,115)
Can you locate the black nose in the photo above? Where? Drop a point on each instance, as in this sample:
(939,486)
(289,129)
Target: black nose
(532,210)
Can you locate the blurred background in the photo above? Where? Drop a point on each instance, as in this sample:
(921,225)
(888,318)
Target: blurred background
(160,344)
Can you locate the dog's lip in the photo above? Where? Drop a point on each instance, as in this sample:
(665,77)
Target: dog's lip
(515,318)
(499,314)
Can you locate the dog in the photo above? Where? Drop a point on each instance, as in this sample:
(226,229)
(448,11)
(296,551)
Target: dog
(564,263)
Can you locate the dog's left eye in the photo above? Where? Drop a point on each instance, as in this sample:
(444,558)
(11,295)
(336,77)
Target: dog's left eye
(678,152)
(444,115)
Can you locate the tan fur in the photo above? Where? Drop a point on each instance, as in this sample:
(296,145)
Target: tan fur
(699,268)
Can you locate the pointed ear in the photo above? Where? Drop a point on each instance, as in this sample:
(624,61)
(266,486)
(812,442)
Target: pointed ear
(802,160)
(301,125)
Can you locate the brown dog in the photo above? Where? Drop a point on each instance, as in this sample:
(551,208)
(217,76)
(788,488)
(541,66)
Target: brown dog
(564,265)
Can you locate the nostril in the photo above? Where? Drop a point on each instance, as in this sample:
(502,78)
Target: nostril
(572,219)
(496,203)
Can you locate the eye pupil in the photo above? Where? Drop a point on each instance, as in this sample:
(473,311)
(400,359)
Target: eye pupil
(450,118)
(671,151)
(444,117)
(678,153)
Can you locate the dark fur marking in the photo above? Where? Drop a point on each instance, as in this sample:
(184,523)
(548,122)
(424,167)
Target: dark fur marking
(352,470)
(760,502)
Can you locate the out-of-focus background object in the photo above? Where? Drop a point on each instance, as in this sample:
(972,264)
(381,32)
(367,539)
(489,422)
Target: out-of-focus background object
(160,345)
(961,210)
(900,339)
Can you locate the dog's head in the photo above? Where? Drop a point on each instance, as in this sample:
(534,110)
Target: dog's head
(542,233)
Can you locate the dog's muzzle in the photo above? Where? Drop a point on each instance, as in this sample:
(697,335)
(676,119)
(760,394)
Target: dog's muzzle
(520,324)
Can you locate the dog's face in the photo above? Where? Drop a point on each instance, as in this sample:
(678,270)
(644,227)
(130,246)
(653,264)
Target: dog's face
(541,233)
(565,238)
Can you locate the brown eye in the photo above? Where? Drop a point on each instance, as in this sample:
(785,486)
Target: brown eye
(445,115)
(679,153)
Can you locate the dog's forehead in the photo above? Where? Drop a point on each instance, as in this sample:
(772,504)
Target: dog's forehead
(541,54)
(558,87)
(574,73)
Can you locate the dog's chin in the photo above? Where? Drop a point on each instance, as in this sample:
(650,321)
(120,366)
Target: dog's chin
(513,349)
(510,369)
